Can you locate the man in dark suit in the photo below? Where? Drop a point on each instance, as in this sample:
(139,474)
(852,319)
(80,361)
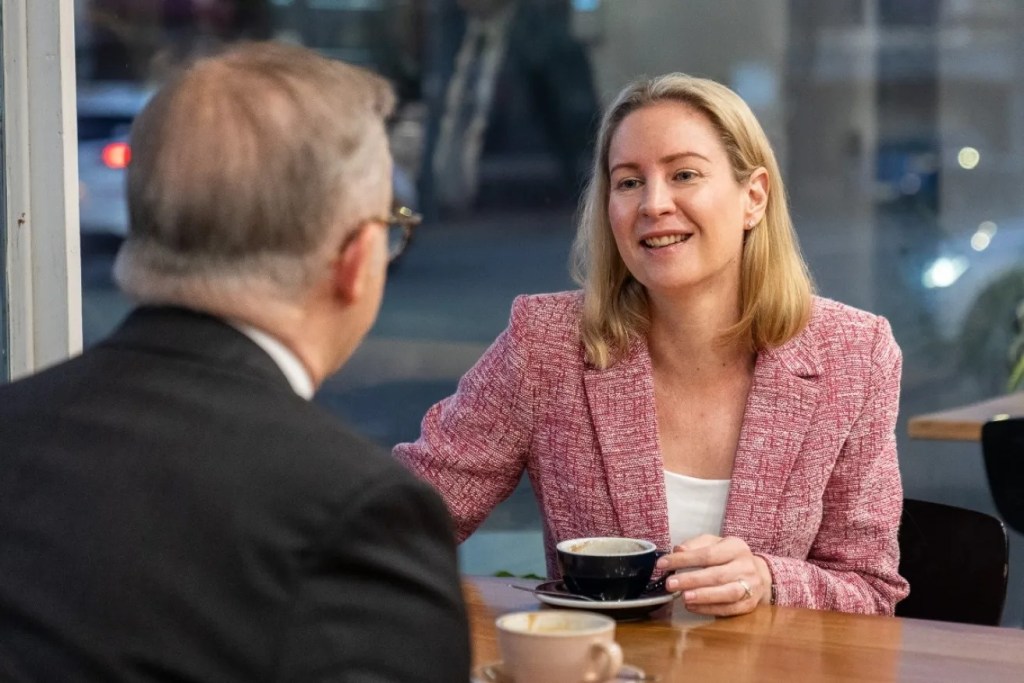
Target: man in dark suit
(172,507)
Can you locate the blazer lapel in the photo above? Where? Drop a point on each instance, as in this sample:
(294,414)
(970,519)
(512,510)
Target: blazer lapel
(621,403)
(781,404)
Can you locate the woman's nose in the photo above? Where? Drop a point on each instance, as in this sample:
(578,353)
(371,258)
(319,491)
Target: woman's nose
(657,200)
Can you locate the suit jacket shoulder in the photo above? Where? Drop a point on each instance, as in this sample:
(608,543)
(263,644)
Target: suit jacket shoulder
(552,320)
(205,522)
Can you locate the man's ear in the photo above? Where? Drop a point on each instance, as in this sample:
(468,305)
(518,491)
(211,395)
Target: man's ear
(348,270)
(757,195)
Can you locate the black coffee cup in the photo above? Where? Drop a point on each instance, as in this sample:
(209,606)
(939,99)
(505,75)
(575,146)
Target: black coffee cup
(608,567)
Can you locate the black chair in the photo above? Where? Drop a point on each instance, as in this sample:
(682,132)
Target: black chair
(956,561)
(1002,442)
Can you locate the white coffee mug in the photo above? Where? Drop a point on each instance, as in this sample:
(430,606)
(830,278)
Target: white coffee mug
(558,646)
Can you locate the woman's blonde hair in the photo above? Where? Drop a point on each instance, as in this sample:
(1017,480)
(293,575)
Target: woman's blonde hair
(775,286)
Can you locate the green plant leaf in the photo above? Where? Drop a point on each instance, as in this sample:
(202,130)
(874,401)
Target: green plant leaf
(510,575)
(1017,375)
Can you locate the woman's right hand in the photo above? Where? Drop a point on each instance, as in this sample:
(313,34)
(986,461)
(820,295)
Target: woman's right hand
(718,576)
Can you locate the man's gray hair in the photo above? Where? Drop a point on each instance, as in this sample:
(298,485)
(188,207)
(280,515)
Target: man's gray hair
(243,166)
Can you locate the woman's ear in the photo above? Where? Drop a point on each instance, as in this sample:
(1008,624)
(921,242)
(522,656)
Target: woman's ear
(757,196)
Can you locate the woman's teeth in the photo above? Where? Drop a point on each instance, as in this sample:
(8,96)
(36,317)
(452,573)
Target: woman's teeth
(664,240)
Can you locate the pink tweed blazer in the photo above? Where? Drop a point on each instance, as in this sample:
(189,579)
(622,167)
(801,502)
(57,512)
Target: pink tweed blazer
(815,485)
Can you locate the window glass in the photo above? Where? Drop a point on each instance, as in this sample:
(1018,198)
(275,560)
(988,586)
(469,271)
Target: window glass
(899,126)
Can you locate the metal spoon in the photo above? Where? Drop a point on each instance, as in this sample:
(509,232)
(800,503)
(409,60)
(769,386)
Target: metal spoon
(555,594)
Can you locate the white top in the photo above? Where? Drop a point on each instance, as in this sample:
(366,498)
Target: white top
(695,506)
(285,359)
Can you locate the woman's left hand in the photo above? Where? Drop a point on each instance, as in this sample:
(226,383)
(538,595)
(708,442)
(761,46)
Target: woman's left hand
(721,576)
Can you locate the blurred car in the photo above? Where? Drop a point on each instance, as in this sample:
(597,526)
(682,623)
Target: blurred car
(965,268)
(972,285)
(105,115)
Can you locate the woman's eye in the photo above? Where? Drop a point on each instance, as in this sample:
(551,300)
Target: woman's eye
(628,184)
(685,175)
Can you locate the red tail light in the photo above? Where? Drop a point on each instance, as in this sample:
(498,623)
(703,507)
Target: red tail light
(117,155)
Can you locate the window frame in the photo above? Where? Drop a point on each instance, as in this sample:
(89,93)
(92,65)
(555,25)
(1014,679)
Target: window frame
(42,293)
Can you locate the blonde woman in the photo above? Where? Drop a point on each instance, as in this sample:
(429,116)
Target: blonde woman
(695,392)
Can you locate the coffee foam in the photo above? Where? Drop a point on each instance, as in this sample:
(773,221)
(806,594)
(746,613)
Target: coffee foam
(548,623)
(535,624)
(613,546)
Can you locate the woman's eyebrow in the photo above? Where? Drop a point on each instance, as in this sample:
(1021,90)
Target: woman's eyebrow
(664,160)
(682,155)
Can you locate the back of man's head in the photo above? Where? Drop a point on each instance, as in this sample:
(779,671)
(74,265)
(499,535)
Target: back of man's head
(247,169)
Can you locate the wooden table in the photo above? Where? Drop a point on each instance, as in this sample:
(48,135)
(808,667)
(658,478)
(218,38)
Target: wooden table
(964,423)
(780,643)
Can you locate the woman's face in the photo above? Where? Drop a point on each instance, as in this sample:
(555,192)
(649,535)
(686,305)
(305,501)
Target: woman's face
(677,213)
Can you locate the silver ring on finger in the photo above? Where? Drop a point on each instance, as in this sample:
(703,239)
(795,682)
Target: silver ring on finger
(746,589)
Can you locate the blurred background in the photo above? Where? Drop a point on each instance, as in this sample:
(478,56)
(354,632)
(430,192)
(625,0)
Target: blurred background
(899,125)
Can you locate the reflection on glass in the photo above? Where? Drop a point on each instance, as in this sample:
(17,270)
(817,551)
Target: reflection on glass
(944,271)
(900,127)
(968,157)
(982,238)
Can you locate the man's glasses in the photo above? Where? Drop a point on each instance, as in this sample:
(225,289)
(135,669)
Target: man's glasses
(401,224)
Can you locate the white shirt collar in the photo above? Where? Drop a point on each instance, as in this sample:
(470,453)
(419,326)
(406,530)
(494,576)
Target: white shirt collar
(285,359)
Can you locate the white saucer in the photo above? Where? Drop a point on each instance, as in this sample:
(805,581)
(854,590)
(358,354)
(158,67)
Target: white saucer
(575,603)
(494,673)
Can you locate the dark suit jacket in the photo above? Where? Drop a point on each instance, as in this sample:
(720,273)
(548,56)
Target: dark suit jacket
(170,510)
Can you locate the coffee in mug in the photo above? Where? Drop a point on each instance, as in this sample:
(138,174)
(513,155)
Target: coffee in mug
(607,567)
(558,646)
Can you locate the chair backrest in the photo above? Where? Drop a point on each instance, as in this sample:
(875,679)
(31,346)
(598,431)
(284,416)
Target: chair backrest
(1002,442)
(956,561)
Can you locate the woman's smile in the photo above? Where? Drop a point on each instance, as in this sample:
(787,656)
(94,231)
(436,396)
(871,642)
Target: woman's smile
(662,241)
